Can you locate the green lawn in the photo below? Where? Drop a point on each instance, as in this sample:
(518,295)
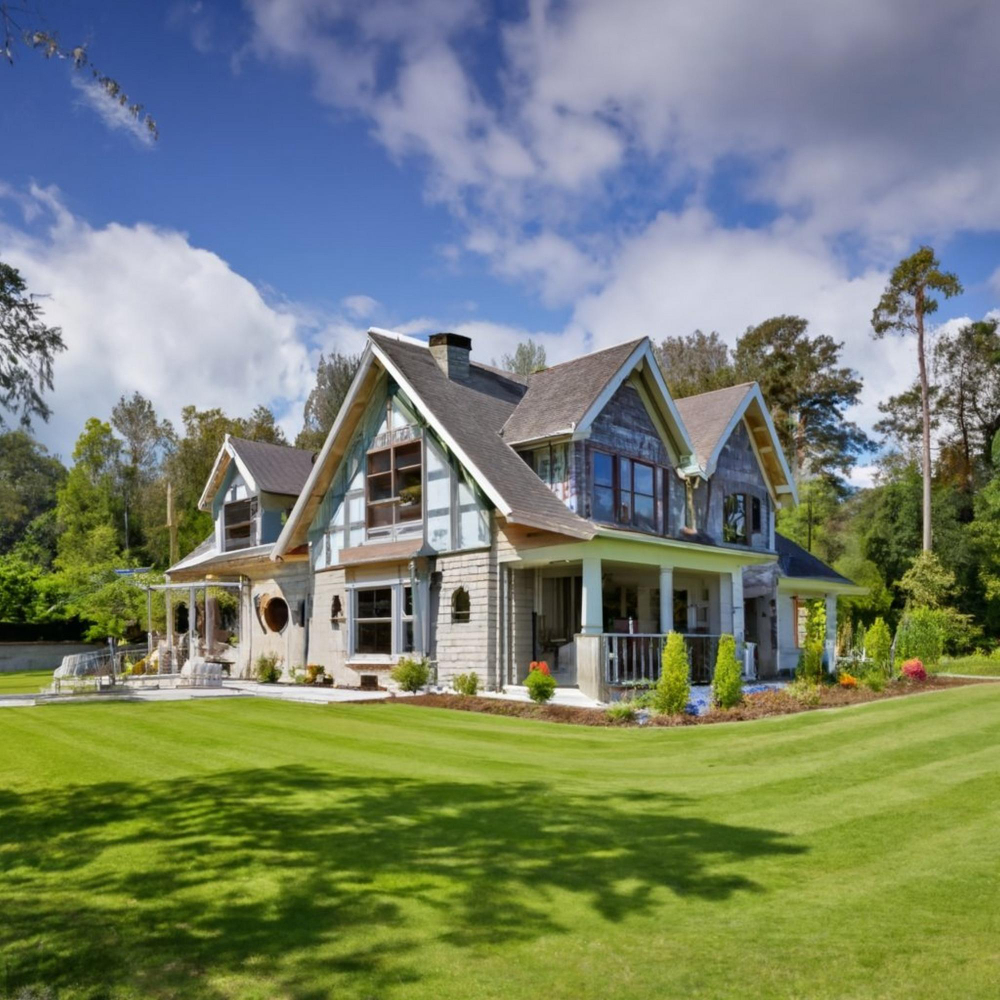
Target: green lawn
(253,849)
(24,682)
(980,666)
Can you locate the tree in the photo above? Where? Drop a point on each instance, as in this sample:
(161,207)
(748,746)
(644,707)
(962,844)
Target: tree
(967,364)
(47,43)
(674,686)
(808,392)
(694,364)
(27,350)
(905,303)
(261,425)
(333,381)
(29,480)
(727,679)
(528,358)
(18,589)
(902,420)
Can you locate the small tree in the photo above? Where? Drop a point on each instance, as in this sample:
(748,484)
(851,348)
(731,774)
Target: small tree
(919,636)
(878,645)
(811,663)
(727,681)
(674,687)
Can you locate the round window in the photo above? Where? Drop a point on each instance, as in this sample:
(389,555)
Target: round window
(276,614)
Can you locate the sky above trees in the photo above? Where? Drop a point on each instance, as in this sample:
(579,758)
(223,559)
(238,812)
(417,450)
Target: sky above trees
(580,173)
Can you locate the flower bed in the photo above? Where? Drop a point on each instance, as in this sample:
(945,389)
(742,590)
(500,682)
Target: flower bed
(759,702)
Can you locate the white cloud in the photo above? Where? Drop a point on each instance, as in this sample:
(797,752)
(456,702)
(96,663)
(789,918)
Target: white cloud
(360,306)
(142,309)
(114,115)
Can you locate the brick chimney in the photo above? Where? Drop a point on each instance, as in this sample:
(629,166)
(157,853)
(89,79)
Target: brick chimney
(451,352)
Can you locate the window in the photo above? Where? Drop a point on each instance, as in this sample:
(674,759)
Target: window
(238,524)
(336,608)
(624,491)
(460,606)
(406,620)
(276,614)
(551,465)
(395,480)
(734,518)
(373,621)
(755,514)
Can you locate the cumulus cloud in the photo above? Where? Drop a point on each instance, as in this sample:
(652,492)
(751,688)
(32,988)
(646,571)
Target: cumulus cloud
(142,309)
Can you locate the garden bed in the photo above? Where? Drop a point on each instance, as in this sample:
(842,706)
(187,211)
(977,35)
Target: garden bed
(758,705)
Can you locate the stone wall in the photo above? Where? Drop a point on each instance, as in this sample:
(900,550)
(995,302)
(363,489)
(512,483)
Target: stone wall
(328,636)
(290,581)
(16,656)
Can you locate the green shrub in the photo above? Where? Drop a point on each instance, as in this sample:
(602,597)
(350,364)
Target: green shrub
(878,645)
(727,680)
(467,684)
(674,687)
(919,636)
(541,686)
(268,668)
(804,691)
(646,698)
(811,660)
(874,680)
(621,711)
(314,672)
(411,674)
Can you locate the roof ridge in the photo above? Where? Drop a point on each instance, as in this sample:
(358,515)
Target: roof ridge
(712,392)
(271,444)
(590,354)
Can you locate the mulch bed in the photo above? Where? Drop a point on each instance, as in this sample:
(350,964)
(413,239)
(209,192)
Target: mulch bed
(755,706)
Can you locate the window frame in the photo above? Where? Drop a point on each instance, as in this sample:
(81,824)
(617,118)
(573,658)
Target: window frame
(389,445)
(455,612)
(621,462)
(402,622)
(253,508)
(756,516)
(728,536)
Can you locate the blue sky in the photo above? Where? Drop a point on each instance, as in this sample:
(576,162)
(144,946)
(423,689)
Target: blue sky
(578,172)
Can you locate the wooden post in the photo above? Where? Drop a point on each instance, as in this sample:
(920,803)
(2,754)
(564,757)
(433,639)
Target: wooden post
(192,620)
(209,628)
(592,603)
(168,606)
(149,627)
(666,599)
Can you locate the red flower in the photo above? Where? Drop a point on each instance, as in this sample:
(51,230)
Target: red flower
(914,669)
(541,666)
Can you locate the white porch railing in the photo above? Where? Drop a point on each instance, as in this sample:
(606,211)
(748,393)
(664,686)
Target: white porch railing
(634,658)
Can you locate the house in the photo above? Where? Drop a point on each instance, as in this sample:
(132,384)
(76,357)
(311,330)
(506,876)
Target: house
(486,520)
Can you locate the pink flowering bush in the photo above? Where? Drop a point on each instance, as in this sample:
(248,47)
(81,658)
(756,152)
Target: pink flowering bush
(914,670)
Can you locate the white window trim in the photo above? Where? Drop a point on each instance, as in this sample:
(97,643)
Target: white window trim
(397,618)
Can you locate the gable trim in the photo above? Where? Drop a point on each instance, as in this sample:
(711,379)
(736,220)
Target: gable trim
(215,477)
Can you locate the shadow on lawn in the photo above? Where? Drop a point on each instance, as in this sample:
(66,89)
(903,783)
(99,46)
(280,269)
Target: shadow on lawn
(297,875)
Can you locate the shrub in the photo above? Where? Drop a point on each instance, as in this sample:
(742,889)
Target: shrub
(846,680)
(727,680)
(874,680)
(268,668)
(804,691)
(914,670)
(674,687)
(540,683)
(411,674)
(878,645)
(811,660)
(467,684)
(314,672)
(919,636)
(137,668)
(644,699)
(621,711)
(995,655)
(539,665)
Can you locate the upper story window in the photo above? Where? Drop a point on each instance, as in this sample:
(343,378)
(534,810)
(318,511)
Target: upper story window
(627,491)
(734,519)
(395,482)
(239,521)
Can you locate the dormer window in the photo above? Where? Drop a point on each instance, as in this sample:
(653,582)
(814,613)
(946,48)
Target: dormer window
(239,524)
(627,491)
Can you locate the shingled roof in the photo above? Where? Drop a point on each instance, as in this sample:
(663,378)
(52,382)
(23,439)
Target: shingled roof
(559,397)
(275,468)
(707,415)
(795,561)
(472,413)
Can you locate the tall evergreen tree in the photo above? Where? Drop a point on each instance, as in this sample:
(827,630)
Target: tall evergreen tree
(333,380)
(907,300)
(694,364)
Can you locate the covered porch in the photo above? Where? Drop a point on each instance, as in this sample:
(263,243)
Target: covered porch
(599,621)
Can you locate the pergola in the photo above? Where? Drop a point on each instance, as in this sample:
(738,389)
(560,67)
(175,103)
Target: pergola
(192,590)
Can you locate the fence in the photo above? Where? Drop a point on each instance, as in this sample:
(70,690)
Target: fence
(635,658)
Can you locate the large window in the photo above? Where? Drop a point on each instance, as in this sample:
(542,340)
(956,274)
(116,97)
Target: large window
(239,524)
(625,491)
(395,486)
(734,519)
(383,620)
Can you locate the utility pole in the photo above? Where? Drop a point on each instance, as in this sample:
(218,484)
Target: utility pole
(171,523)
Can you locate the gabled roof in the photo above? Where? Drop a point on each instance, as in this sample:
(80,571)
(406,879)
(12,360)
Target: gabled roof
(268,468)
(798,563)
(467,416)
(559,397)
(711,417)
(275,468)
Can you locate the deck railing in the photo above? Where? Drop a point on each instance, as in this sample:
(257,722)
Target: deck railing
(634,658)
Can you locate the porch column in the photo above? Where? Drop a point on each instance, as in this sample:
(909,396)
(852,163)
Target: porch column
(831,630)
(666,599)
(192,619)
(168,605)
(739,626)
(592,605)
